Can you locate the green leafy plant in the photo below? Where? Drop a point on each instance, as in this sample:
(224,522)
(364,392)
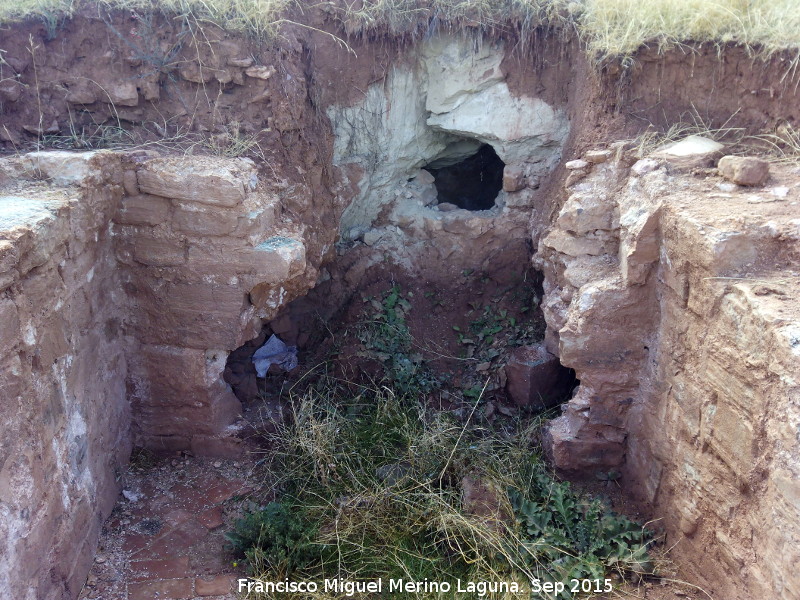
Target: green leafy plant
(386,337)
(277,535)
(577,537)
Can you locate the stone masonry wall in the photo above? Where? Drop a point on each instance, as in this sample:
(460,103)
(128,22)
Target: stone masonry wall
(64,417)
(674,298)
(204,258)
(125,281)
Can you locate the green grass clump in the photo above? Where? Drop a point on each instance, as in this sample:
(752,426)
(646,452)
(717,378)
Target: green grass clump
(372,487)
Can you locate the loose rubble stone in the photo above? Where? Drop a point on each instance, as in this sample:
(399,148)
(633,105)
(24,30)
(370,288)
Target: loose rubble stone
(597,157)
(535,378)
(691,152)
(574,165)
(260,72)
(744,170)
(644,166)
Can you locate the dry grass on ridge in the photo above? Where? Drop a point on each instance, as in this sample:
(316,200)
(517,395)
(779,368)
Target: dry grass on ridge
(610,28)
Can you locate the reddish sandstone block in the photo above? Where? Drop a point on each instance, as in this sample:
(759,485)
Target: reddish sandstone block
(211,518)
(215,586)
(143,210)
(169,568)
(168,589)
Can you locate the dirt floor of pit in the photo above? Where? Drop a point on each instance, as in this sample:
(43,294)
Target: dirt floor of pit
(166,536)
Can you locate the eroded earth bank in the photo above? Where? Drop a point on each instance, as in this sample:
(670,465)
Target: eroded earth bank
(272,183)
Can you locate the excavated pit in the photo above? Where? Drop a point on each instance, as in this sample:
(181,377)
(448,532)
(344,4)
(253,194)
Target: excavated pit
(137,283)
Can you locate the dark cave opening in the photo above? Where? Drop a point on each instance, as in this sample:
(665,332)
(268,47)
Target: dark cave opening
(473,183)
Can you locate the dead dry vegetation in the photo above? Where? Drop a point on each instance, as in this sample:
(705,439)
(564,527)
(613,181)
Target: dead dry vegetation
(609,28)
(370,478)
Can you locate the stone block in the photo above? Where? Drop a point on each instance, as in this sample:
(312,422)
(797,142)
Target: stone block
(143,210)
(536,379)
(744,170)
(732,438)
(260,71)
(597,157)
(121,93)
(194,315)
(205,180)
(592,244)
(217,446)
(163,444)
(8,263)
(576,165)
(176,376)
(585,213)
(129,182)
(155,252)
(513,178)
(193,219)
(61,167)
(47,240)
(727,384)
(693,151)
(9,325)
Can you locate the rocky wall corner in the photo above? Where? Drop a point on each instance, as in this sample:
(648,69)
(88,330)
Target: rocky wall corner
(204,259)
(599,304)
(125,280)
(64,416)
(673,294)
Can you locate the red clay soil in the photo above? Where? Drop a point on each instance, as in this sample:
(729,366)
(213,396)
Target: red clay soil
(165,538)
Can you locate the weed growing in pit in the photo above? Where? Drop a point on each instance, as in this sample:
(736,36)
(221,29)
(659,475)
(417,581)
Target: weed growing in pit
(387,338)
(376,486)
(493,331)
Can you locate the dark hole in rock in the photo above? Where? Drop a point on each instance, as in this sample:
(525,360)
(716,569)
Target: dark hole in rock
(472,183)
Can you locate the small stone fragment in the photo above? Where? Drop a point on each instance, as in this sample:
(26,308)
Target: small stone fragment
(597,157)
(424,177)
(574,165)
(644,166)
(260,72)
(744,170)
(241,62)
(575,176)
(780,192)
